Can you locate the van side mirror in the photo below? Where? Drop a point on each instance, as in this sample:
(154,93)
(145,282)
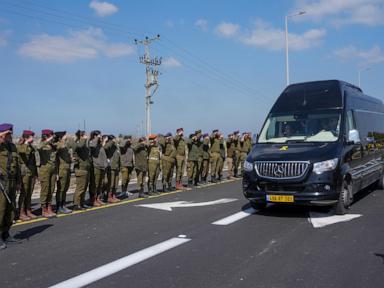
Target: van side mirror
(354,137)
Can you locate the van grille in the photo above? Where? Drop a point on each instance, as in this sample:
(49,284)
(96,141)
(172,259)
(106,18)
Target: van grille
(281,170)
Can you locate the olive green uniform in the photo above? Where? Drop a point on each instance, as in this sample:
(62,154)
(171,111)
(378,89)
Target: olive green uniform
(193,160)
(206,157)
(221,161)
(113,154)
(230,157)
(127,165)
(236,156)
(64,168)
(215,155)
(48,171)
(245,148)
(141,164)
(82,165)
(154,156)
(28,169)
(10,178)
(168,160)
(180,145)
(100,163)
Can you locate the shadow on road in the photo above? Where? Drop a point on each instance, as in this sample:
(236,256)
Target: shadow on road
(26,234)
(380,255)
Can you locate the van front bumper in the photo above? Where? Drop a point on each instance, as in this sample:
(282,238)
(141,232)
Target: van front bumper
(317,194)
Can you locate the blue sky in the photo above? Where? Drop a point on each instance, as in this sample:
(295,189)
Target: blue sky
(63,62)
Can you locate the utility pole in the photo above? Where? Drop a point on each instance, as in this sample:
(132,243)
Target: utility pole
(152,73)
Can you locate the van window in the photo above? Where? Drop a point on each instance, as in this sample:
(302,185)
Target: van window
(305,126)
(350,122)
(370,126)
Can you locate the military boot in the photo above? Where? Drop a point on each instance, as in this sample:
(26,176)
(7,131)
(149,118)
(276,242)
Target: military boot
(213,179)
(23,216)
(164,188)
(50,210)
(150,190)
(2,244)
(179,186)
(170,188)
(30,214)
(111,199)
(44,212)
(190,183)
(142,194)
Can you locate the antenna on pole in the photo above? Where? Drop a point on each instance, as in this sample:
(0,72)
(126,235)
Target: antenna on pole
(152,74)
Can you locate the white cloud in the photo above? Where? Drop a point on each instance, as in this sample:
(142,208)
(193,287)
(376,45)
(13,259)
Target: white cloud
(202,24)
(103,9)
(342,12)
(227,29)
(264,35)
(365,57)
(171,62)
(169,24)
(83,44)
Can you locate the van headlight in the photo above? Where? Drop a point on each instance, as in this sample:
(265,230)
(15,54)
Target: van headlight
(324,166)
(248,166)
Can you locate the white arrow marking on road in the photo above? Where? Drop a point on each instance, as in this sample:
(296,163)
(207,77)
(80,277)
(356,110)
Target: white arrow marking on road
(235,217)
(320,220)
(167,206)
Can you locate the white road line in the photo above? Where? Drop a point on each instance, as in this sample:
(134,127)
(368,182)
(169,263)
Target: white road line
(235,217)
(120,264)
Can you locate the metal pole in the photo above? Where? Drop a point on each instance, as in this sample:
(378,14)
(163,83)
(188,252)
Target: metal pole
(286,52)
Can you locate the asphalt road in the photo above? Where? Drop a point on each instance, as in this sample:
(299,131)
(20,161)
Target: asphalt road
(277,247)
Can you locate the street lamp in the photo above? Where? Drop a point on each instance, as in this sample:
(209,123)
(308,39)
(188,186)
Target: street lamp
(286,43)
(359,74)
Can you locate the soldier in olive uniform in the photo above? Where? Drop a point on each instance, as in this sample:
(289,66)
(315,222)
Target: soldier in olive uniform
(64,167)
(180,145)
(199,143)
(127,164)
(48,171)
(193,159)
(10,179)
(168,160)
(221,159)
(154,156)
(236,153)
(28,170)
(215,154)
(230,155)
(245,148)
(141,164)
(82,165)
(206,157)
(100,163)
(113,154)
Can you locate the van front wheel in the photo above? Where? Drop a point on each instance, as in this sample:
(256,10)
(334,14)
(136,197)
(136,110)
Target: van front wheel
(258,205)
(345,199)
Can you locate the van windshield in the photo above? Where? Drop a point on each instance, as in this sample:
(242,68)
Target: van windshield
(304,126)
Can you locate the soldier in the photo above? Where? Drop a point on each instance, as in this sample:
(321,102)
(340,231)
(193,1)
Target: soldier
(199,143)
(141,164)
(236,154)
(193,158)
(28,174)
(64,167)
(82,165)
(100,163)
(154,156)
(245,148)
(206,157)
(127,165)
(215,154)
(230,155)
(113,155)
(221,159)
(10,181)
(168,160)
(48,171)
(180,145)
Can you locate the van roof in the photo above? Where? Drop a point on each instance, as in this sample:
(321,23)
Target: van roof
(343,83)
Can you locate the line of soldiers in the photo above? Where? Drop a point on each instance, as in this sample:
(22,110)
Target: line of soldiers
(99,160)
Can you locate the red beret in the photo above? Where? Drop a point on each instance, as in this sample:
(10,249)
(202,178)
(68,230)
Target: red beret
(47,132)
(152,136)
(6,127)
(179,129)
(28,133)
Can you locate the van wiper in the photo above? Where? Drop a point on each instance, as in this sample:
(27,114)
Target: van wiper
(295,141)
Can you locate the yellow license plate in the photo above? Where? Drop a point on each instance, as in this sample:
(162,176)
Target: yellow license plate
(280,198)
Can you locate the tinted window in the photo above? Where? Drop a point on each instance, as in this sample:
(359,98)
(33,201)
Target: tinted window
(309,96)
(370,126)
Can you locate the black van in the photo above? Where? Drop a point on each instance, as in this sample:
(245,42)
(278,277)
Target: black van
(321,143)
